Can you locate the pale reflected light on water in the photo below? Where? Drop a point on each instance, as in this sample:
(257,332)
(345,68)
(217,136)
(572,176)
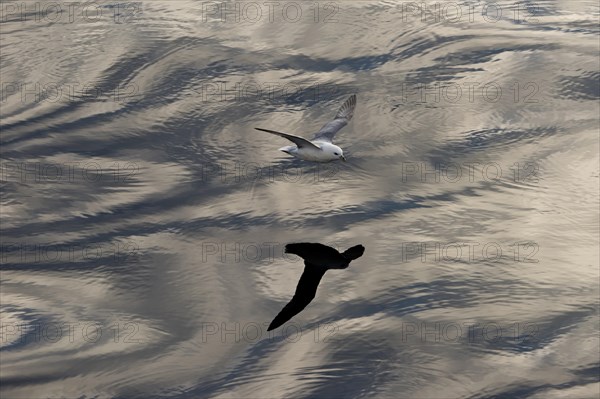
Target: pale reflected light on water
(144,219)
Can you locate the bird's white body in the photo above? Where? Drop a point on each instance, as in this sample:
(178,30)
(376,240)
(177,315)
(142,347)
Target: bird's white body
(326,152)
(321,148)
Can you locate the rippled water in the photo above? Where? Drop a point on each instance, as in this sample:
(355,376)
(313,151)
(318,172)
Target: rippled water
(144,219)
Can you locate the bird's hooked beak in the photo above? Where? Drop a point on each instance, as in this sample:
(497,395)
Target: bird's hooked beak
(343,158)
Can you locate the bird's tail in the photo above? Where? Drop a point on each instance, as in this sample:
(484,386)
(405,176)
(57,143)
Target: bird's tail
(347,109)
(354,252)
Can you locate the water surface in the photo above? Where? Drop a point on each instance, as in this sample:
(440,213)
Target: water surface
(144,219)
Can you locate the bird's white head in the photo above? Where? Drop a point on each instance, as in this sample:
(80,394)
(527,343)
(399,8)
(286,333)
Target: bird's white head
(333,151)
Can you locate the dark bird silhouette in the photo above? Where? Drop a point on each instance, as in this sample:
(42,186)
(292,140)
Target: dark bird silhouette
(318,258)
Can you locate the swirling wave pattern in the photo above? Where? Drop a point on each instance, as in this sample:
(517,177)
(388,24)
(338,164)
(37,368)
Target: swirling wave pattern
(144,219)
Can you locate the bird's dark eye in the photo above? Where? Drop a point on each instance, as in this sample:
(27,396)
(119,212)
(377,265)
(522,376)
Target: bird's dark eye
(335,153)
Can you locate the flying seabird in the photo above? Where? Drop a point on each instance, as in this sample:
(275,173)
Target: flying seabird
(321,147)
(318,258)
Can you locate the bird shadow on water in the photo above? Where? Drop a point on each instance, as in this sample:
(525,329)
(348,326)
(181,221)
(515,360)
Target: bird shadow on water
(318,259)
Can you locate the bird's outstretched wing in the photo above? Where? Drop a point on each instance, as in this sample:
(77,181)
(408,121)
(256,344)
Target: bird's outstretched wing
(305,292)
(299,141)
(341,119)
